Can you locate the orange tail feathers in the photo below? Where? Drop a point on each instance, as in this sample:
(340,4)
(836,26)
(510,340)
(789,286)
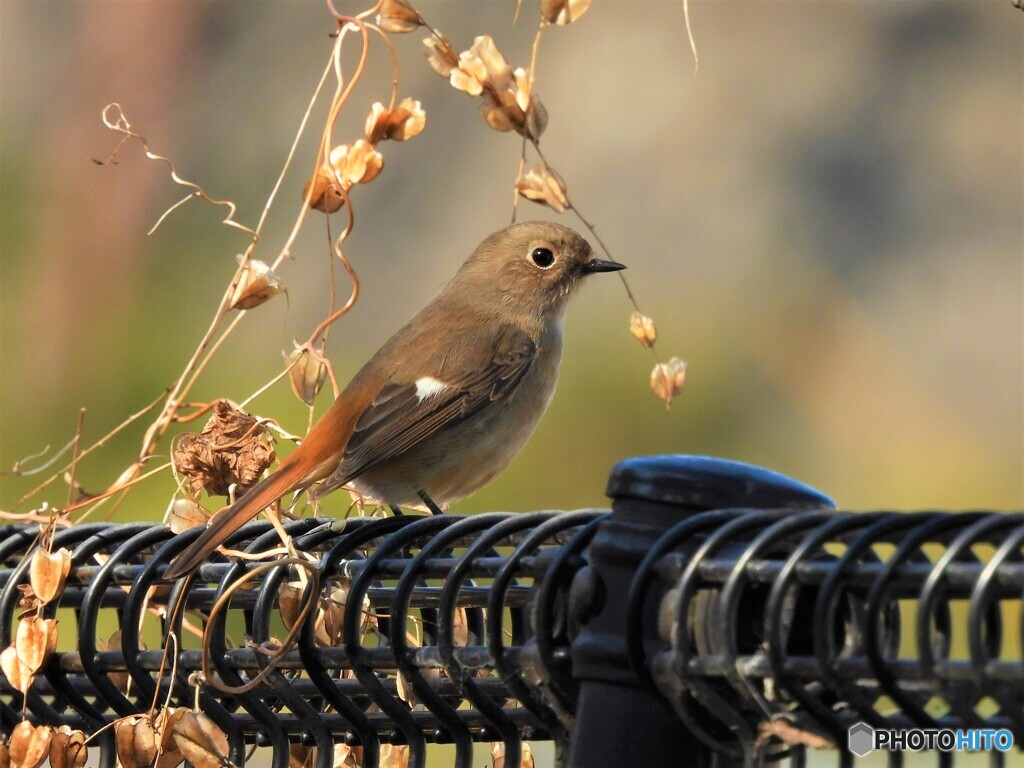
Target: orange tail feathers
(289,477)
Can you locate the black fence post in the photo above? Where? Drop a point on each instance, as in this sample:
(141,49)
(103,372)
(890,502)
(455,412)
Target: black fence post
(620,720)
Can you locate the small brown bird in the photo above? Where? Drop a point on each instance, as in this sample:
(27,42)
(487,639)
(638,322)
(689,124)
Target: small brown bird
(450,399)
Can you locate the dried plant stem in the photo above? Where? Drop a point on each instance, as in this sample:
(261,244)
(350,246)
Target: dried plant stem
(111,491)
(268,385)
(304,211)
(519,175)
(119,123)
(276,656)
(17,469)
(74,455)
(98,444)
(593,232)
(200,409)
(689,34)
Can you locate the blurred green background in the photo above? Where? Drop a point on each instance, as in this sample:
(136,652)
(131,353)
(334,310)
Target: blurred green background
(826,223)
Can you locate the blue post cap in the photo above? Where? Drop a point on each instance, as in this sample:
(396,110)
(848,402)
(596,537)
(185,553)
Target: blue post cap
(701,483)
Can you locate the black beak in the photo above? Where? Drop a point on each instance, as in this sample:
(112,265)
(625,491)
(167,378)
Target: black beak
(601,265)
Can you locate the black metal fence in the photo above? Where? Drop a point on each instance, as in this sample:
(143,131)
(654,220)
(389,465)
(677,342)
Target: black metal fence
(718,615)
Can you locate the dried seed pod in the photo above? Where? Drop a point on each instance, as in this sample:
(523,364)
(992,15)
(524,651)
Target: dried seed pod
(563,12)
(183,514)
(399,124)
(460,627)
(18,675)
(120,680)
(643,329)
(498,755)
(29,745)
(397,17)
(506,95)
(306,373)
(667,379)
(170,755)
(299,756)
(67,748)
(359,163)
(35,640)
(326,194)
(136,742)
(536,119)
(289,602)
(48,571)
(542,185)
(394,756)
(256,284)
(347,757)
(330,624)
(441,57)
(200,740)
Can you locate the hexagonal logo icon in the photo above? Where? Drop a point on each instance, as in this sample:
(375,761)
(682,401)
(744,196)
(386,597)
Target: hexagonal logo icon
(860,739)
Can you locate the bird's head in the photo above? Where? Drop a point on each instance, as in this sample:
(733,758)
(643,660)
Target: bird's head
(530,269)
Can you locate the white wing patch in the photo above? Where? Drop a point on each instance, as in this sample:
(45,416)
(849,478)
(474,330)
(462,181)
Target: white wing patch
(428,386)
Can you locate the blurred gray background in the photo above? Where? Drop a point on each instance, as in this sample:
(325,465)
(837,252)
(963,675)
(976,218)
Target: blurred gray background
(826,223)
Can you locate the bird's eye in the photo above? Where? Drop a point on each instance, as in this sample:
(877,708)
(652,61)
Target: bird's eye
(542,257)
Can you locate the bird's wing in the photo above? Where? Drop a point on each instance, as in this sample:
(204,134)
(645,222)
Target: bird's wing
(405,412)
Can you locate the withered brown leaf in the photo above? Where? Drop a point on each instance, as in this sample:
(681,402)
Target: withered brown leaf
(233,449)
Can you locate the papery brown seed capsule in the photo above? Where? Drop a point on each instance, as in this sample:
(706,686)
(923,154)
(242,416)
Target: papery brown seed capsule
(183,514)
(67,748)
(460,627)
(135,741)
(498,756)
(397,17)
(441,57)
(48,571)
(18,675)
(256,284)
(289,602)
(325,196)
(201,741)
(406,121)
(330,623)
(347,757)
(120,680)
(667,379)
(536,119)
(306,373)
(359,163)
(394,756)
(29,745)
(563,12)
(542,185)
(170,759)
(299,756)
(35,640)
(643,329)
(170,755)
